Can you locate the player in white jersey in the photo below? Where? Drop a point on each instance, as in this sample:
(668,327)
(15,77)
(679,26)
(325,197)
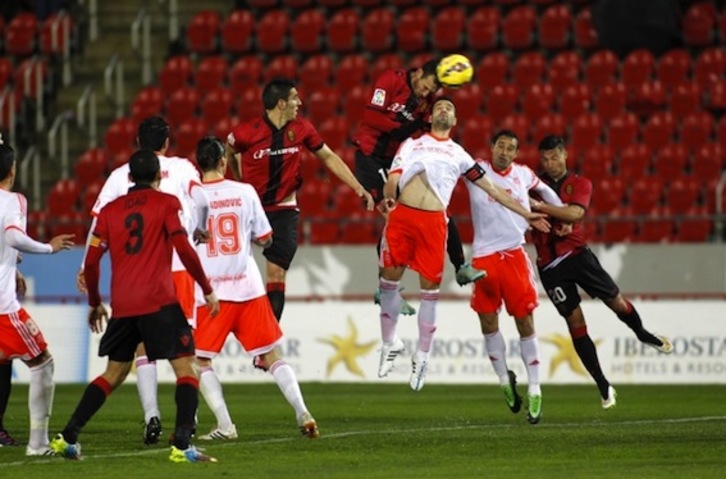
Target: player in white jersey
(416,195)
(236,220)
(19,336)
(497,247)
(179,178)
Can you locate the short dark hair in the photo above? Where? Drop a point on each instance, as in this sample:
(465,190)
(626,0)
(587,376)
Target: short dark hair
(550,142)
(276,90)
(443,98)
(209,152)
(506,133)
(153,132)
(429,68)
(144,166)
(7,159)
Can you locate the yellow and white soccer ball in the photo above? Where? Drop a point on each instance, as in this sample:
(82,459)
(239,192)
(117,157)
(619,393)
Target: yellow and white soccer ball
(454,71)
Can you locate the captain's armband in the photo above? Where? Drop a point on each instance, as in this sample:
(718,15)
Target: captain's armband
(474,173)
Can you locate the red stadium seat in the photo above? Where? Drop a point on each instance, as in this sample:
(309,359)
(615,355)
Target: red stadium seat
(322,104)
(696,129)
(187,135)
(412,29)
(608,193)
(601,69)
(21,34)
(528,69)
(635,161)
(564,70)
(549,124)
(345,202)
(554,27)
(467,101)
(610,100)
(387,61)
(63,197)
(216,105)
(685,99)
(482,29)
(699,24)
(659,130)
(475,135)
(237,32)
(492,71)
(673,67)
(210,73)
(352,71)
(619,227)
(459,205)
(419,59)
(586,131)
(263,3)
(91,167)
(71,222)
(202,32)
(671,161)
(623,130)
(575,101)
(647,98)
(281,66)
(182,105)
(359,231)
(355,103)
(716,97)
(657,227)
(120,136)
(585,33)
(176,73)
(249,105)
(708,161)
(90,194)
(315,73)
(149,101)
(519,124)
(501,101)
(377,30)
(645,194)
(538,100)
(335,132)
(245,73)
(710,66)
(272,31)
(325,231)
(307,31)
(518,28)
(313,196)
(529,155)
(223,127)
(53,34)
(597,162)
(721,134)
(695,227)
(26,77)
(448,28)
(683,194)
(6,71)
(638,68)
(343,30)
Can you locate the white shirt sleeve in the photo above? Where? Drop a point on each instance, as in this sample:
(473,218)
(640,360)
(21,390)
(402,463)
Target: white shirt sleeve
(117,184)
(548,194)
(14,229)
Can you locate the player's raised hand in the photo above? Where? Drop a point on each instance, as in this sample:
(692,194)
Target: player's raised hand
(368,199)
(539,222)
(96,317)
(81,282)
(62,242)
(212,303)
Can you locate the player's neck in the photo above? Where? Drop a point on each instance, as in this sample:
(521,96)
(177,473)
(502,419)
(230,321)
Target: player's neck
(277,118)
(559,177)
(441,135)
(210,176)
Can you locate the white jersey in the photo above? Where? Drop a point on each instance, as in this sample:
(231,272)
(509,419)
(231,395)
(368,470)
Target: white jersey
(443,161)
(177,177)
(497,228)
(13,208)
(235,218)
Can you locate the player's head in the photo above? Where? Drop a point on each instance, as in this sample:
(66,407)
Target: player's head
(443,114)
(424,81)
(280,97)
(505,146)
(144,167)
(210,153)
(153,134)
(7,164)
(553,155)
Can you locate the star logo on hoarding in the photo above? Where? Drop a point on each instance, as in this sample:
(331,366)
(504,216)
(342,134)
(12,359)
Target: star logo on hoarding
(566,354)
(347,350)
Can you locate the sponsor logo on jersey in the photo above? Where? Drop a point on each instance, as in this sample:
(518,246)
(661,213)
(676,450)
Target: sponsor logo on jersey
(269,152)
(379,97)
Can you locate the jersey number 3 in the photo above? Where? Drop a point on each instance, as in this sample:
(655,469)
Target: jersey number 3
(223,235)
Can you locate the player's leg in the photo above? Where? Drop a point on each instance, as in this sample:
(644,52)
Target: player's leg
(147,387)
(6,372)
(40,402)
(280,255)
(465,273)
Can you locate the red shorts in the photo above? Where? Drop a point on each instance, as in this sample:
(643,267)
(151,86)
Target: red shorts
(252,322)
(415,239)
(20,337)
(184,286)
(510,278)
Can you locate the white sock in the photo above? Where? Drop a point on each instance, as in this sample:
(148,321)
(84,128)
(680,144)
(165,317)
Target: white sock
(211,389)
(146,383)
(40,402)
(497,351)
(287,382)
(427,320)
(390,308)
(530,356)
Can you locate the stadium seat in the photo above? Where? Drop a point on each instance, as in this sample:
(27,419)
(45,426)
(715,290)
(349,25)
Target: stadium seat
(635,161)
(281,66)
(210,73)
(307,31)
(501,101)
(657,227)
(482,29)
(90,194)
(492,71)
(610,101)
(90,167)
(448,29)
(216,105)
(37,225)
(63,197)
(53,34)
(518,28)
(647,98)
(467,101)
(549,124)
(708,161)
(683,194)
(149,101)
(187,134)
(554,27)
(324,231)
(721,133)
(716,97)
(355,102)
(645,193)
(182,105)
(710,66)
(699,24)
(608,193)
(6,71)
(475,135)
(203,31)
(638,68)
(419,59)
(574,101)
(459,204)
(321,105)
(685,98)
(26,77)
(564,70)
(351,71)
(345,202)
(314,196)
(377,30)
(519,124)
(528,69)
(386,61)
(623,130)
(21,34)
(695,227)
(69,222)
(342,30)
(584,30)
(586,132)
(223,127)
(367,3)
(674,67)
(659,130)
(334,131)
(412,30)
(601,69)
(237,32)
(597,162)
(696,129)
(619,227)
(245,73)
(528,155)
(315,73)
(263,3)
(249,104)
(359,231)
(538,100)
(670,161)
(272,31)
(120,135)
(176,73)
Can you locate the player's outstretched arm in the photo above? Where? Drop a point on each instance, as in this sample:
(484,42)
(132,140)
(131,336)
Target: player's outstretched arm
(19,240)
(190,260)
(338,167)
(537,220)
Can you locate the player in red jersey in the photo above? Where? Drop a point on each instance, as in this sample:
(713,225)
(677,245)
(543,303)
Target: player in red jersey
(566,262)
(270,151)
(399,107)
(140,230)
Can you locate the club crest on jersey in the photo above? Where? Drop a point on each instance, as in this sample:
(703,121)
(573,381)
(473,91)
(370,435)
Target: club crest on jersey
(568,189)
(379,97)
(290,135)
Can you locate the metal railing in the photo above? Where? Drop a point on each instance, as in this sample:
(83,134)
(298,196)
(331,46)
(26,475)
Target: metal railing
(720,224)
(113,81)
(60,124)
(8,96)
(35,67)
(141,39)
(31,158)
(62,22)
(87,101)
(92,18)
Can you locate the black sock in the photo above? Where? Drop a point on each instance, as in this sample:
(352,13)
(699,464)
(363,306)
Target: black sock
(6,371)
(276,295)
(187,401)
(93,398)
(588,355)
(632,319)
(454,247)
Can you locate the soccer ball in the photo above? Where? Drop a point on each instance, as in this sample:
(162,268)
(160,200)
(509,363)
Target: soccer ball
(454,71)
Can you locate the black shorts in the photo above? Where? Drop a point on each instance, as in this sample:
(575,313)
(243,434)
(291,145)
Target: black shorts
(371,172)
(284,237)
(581,269)
(166,334)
